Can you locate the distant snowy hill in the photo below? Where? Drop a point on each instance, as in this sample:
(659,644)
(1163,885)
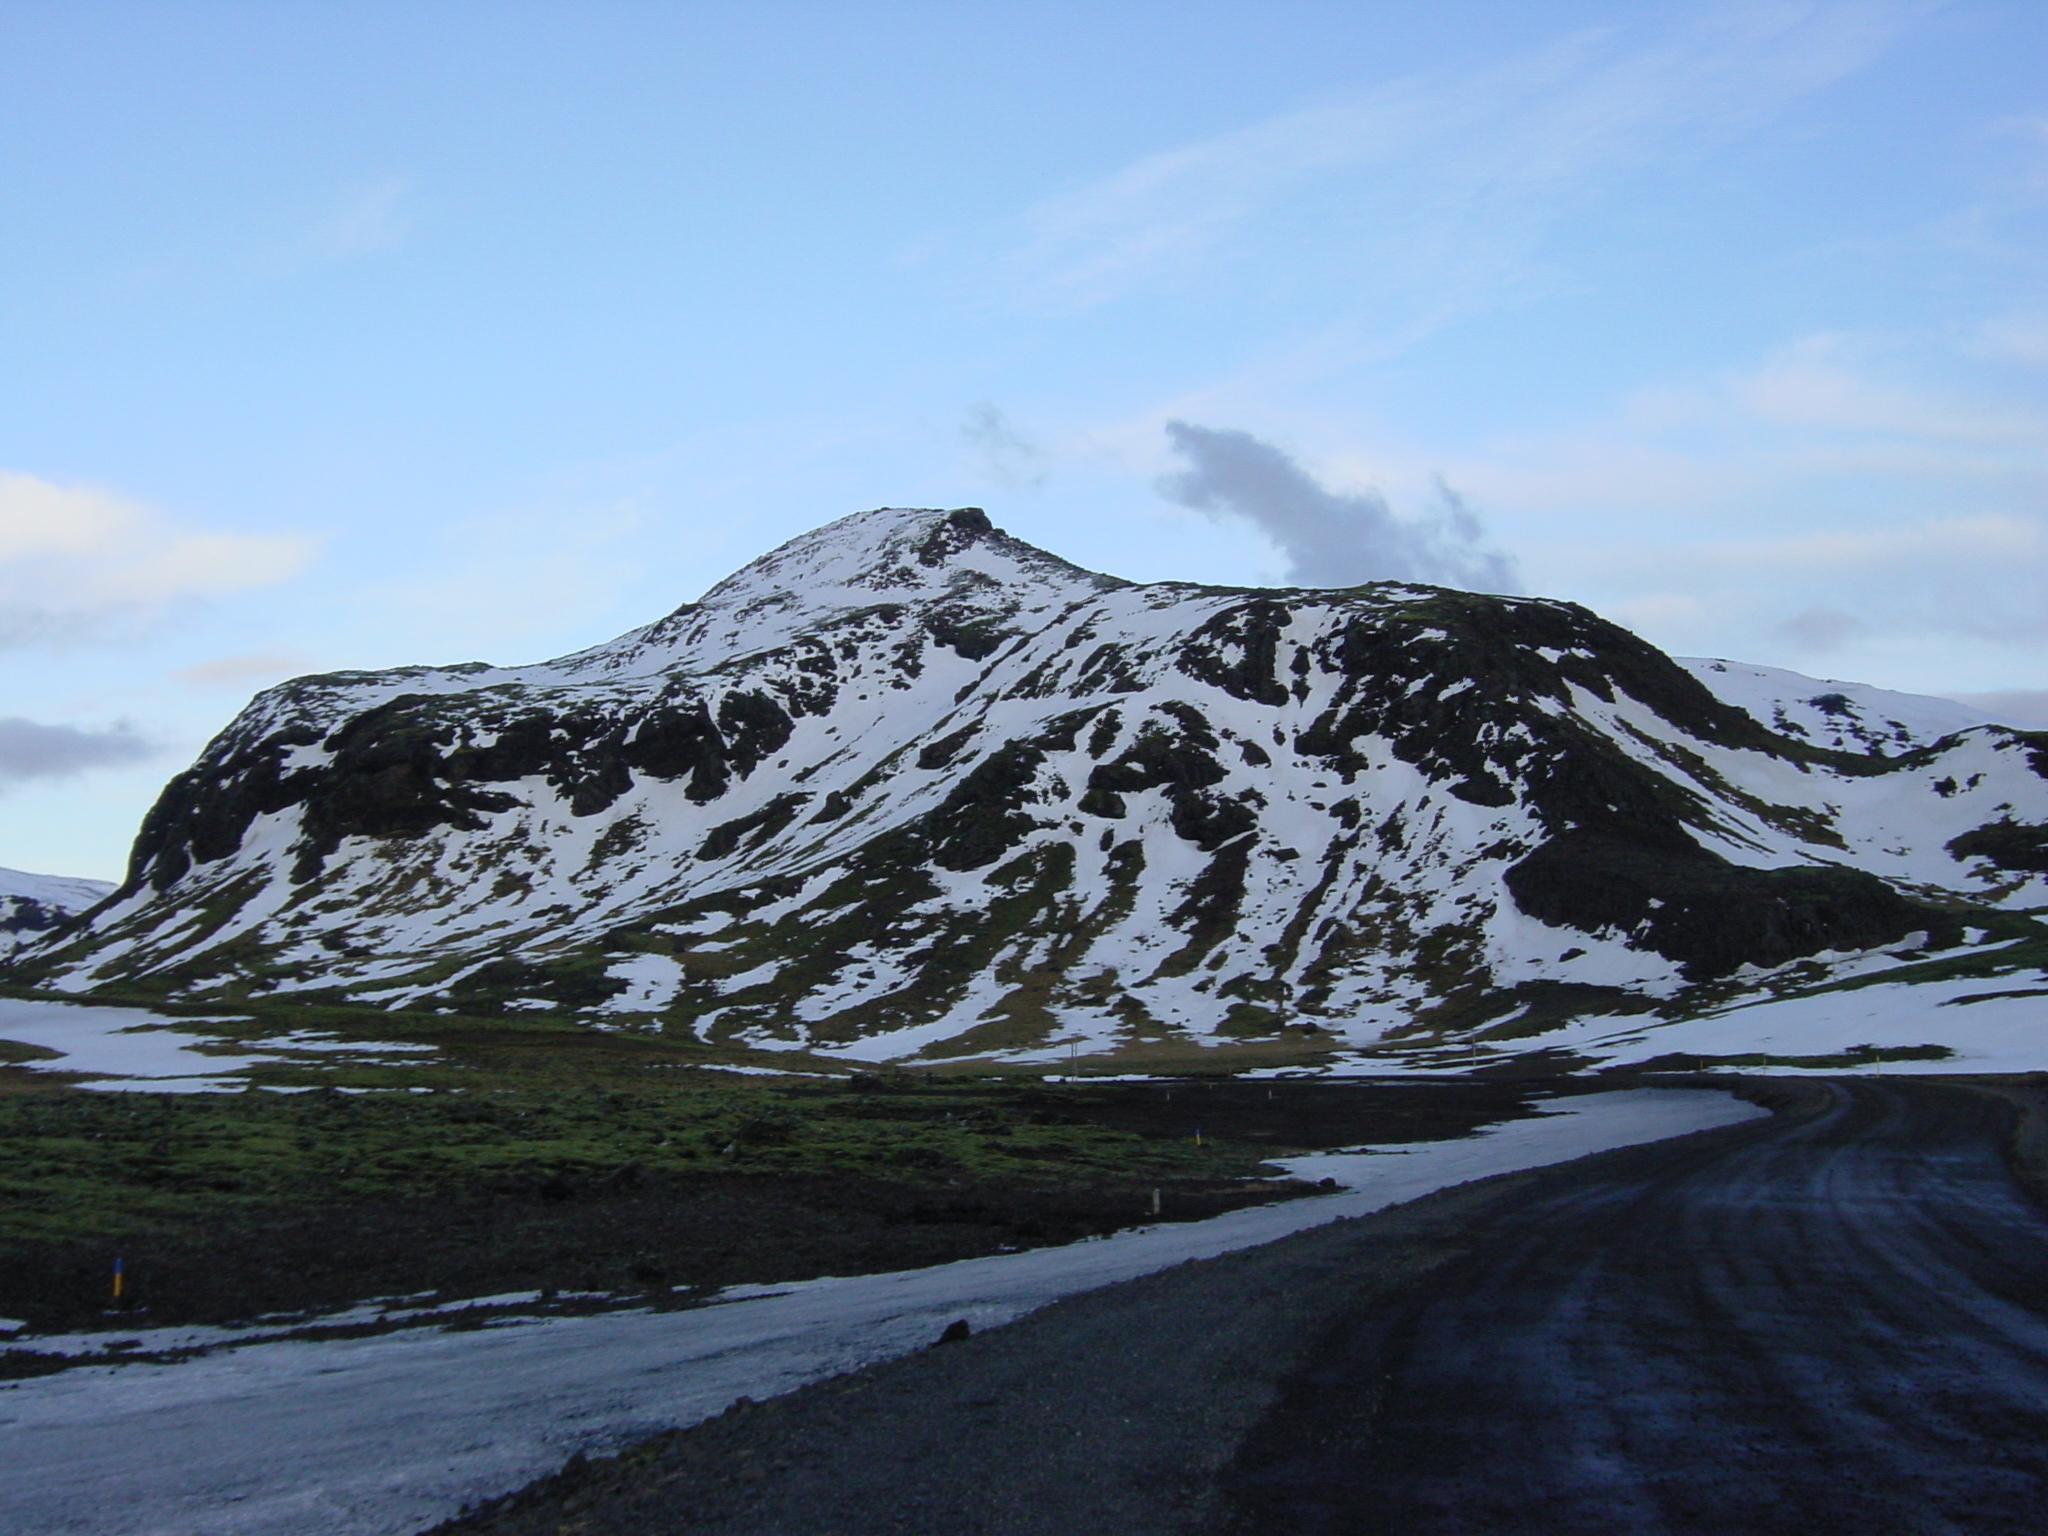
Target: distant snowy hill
(910,787)
(1853,716)
(31,905)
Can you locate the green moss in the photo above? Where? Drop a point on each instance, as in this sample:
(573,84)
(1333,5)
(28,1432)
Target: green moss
(85,1164)
(1250,1020)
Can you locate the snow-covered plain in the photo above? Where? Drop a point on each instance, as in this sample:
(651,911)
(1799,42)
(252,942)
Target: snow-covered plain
(129,1048)
(386,1435)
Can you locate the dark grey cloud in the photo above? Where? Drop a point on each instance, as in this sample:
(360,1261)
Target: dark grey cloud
(1821,628)
(1007,454)
(31,750)
(25,626)
(1331,538)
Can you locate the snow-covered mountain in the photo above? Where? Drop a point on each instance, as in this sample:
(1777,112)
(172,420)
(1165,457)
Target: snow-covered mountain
(909,786)
(31,905)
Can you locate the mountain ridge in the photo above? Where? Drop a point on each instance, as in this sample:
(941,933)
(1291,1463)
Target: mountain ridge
(910,787)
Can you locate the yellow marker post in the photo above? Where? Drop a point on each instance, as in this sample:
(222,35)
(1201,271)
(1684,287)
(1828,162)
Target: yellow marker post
(117,1279)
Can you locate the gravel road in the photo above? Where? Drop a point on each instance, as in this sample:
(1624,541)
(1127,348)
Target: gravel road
(1836,1320)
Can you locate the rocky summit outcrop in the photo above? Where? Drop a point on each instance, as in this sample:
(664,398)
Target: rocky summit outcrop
(910,786)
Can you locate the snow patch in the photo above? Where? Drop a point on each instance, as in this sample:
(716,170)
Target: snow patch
(131,1049)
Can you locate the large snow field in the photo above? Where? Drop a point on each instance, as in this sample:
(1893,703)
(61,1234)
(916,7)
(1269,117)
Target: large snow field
(1992,1025)
(385,1435)
(130,1048)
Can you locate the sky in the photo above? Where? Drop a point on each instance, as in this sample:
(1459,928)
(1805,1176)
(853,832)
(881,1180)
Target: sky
(366,334)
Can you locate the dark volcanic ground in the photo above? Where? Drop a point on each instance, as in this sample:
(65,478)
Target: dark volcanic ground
(1833,1321)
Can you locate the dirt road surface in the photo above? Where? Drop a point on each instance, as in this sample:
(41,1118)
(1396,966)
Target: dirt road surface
(1834,1321)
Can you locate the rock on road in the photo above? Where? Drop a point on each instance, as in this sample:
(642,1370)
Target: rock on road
(1834,1321)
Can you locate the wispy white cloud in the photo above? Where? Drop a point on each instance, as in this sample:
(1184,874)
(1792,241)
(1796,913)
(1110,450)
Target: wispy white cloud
(1829,381)
(82,562)
(366,217)
(1973,577)
(2019,336)
(514,585)
(1005,454)
(2029,182)
(236,672)
(1438,190)
(1878,499)
(346,223)
(1883,426)
(1961,549)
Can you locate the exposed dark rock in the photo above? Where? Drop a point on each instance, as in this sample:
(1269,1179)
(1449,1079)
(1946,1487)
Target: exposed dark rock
(1709,915)
(753,828)
(2007,844)
(1239,652)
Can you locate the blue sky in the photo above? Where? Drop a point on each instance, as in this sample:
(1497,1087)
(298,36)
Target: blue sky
(351,335)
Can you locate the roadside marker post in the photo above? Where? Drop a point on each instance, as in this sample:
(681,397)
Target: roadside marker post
(118,1277)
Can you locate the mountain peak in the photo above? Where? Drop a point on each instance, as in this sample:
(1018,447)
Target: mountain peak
(887,549)
(893,553)
(955,559)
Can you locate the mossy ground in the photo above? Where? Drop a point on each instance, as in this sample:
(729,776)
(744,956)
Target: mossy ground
(533,1154)
(77,1163)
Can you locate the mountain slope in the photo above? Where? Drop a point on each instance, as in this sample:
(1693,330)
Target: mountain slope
(908,785)
(31,905)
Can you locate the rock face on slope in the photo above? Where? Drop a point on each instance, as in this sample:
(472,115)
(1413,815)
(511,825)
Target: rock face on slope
(908,785)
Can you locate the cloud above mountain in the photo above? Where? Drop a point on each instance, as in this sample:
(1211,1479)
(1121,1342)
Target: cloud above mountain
(31,750)
(1434,191)
(1331,538)
(79,562)
(1006,455)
